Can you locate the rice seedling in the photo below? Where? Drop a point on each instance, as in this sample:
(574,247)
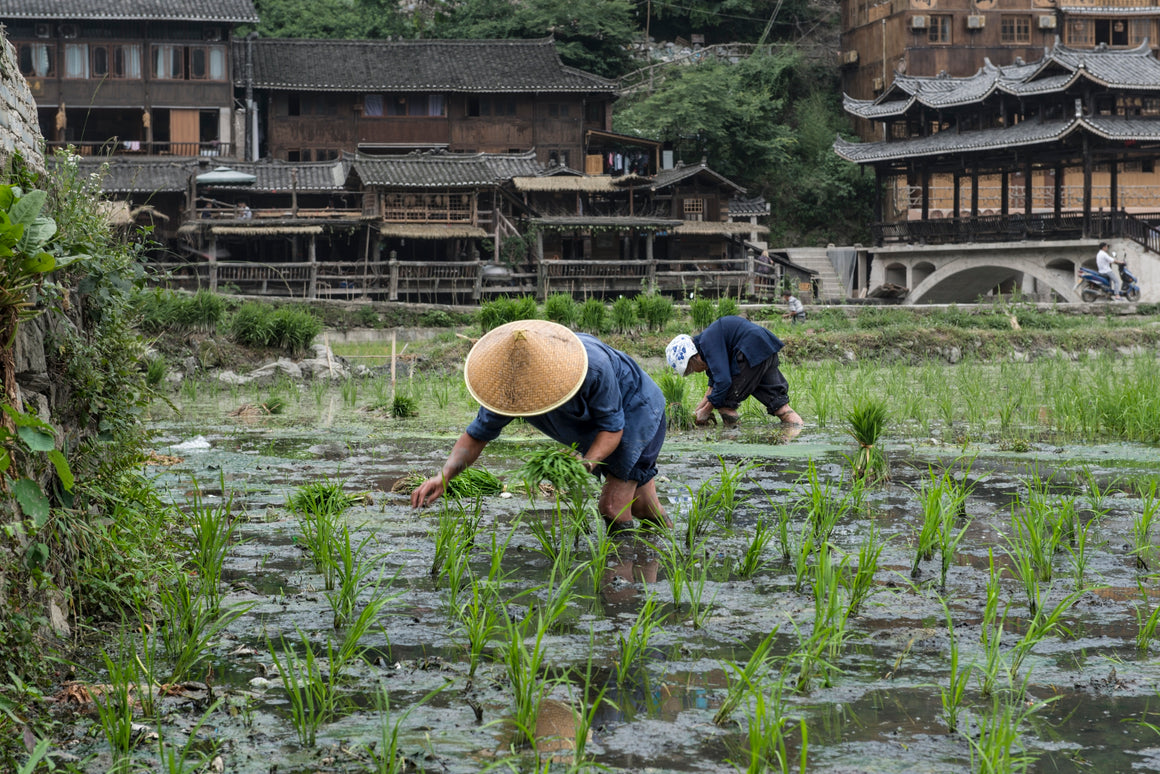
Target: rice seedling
(319,506)
(766,737)
(702,313)
(725,307)
(351,569)
(823,506)
(557,536)
(440,392)
(802,549)
(318,390)
(654,309)
(192,756)
(601,547)
(631,648)
(932,495)
(470,484)
(817,655)
(523,666)
(991,631)
(561,467)
(114,705)
(1078,553)
(996,745)
(753,560)
(213,530)
(454,537)
(593,316)
(386,754)
(479,617)
(954,693)
(747,679)
(554,600)
(312,694)
(351,647)
(561,308)
(189,624)
(1097,492)
(678,412)
(950,535)
(860,582)
(349,391)
(404,406)
(867,421)
(624,318)
(1142,523)
(1146,621)
(696,575)
(156,369)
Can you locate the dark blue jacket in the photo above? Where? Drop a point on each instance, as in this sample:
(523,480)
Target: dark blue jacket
(721,343)
(616,395)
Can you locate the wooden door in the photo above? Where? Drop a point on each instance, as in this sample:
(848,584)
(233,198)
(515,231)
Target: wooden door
(184,132)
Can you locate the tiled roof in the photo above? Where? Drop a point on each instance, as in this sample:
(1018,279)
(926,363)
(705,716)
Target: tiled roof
(740,207)
(1060,67)
(236,11)
(1106,10)
(442,170)
(128,176)
(668,177)
(512,66)
(1025,133)
(1116,128)
(274,176)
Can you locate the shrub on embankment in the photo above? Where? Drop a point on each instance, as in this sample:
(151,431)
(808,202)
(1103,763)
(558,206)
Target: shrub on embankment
(83,534)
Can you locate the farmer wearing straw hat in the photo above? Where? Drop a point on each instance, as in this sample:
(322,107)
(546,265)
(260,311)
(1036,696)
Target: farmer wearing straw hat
(576,390)
(740,358)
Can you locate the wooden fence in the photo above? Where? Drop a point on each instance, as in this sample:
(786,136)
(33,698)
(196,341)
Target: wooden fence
(467,281)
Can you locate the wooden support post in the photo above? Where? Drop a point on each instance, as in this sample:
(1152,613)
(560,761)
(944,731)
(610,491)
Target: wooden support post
(213,273)
(477,283)
(1005,193)
(393,267)
(541,269)
(1114,195)
(925,194)
(1057,194)
(649,239)
(975,192)
(1087,187)
(312,252)
(1027,200)
(956,196)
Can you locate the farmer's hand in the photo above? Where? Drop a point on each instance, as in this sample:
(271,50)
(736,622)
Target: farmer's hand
(704,415)
(427,492)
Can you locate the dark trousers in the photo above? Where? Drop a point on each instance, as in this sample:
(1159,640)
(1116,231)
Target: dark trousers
(763,381)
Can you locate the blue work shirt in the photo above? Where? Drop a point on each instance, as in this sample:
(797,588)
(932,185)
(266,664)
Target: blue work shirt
(616,395)
(721,343)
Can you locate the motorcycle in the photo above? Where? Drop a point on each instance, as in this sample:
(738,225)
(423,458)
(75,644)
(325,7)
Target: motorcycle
(1094,285)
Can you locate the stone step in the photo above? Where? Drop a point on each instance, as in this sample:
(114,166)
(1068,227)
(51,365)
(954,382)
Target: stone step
(817,259)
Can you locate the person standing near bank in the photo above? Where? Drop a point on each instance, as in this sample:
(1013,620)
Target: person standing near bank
(797,312)
(740,359)
(576,390)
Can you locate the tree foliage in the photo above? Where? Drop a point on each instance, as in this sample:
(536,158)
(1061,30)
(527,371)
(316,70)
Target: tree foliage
(337,19)
(768,123)
(592,35)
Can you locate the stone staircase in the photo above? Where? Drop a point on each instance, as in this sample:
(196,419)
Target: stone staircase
(816,259)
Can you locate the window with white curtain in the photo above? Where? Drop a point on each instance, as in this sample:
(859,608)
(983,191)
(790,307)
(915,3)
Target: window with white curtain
(435,105)
(167,62)
(217,63)
(76,60)
(373,105)
(37,60)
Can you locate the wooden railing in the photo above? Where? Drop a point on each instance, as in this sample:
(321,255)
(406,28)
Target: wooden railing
(116,147)
(468,281)
(1008,228)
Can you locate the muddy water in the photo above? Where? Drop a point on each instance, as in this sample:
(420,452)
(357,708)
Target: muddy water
(882,711)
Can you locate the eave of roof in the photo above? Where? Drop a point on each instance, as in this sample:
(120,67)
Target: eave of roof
(431,231)
(565,183)
(444,170)
(1027,133)
(508,66)
(221,11)
(668,177)
(606,222)
(718,228)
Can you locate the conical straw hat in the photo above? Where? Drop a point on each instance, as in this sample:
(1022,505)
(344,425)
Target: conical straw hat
(525,368)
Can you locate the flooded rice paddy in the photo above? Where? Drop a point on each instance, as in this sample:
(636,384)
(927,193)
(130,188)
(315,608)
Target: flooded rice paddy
(650,638)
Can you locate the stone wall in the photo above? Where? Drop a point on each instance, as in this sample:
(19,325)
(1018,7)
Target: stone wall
(19,128)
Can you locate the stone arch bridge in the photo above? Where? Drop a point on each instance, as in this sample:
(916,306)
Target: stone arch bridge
(962,273)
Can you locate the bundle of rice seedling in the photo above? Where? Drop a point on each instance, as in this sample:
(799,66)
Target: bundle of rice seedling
(675,388)
(471,483)
(560,467)
(867,422)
